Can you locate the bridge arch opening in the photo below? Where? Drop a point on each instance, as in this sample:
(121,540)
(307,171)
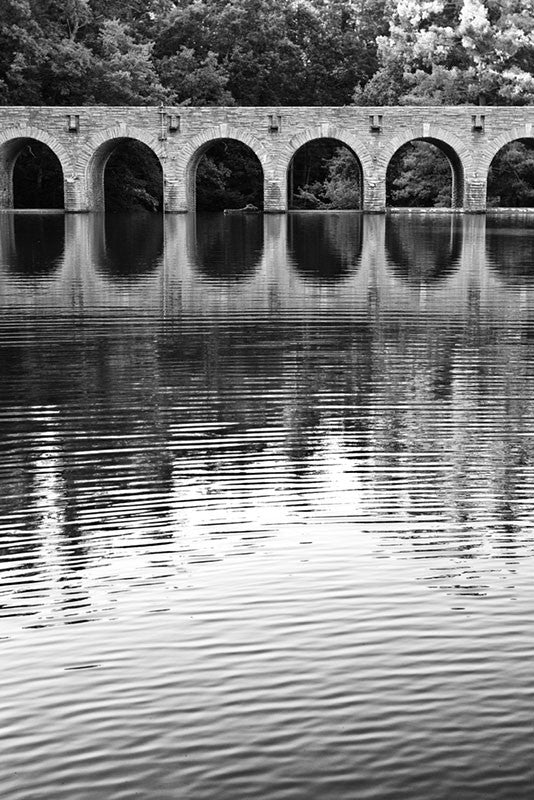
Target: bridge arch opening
(225,174)
(31,175)
(511,176)
(126,175)
(425,173)
(324,174)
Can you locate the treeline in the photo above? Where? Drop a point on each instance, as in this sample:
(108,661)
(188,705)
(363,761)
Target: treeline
(272,52)
(200,52)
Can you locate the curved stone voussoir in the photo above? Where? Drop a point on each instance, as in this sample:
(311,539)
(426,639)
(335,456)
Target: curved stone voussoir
(496,144)
(328,131)
(19,132)
(193,148)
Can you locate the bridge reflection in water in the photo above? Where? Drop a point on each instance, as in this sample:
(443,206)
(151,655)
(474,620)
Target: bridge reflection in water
(199,264)
(282,468)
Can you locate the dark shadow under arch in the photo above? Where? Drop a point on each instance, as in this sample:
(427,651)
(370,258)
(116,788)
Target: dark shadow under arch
(37,175)
(423,251)
(425,172)
(325,247)
(323,174)
(228,247)
(511,176)
(227,174)
(126,175)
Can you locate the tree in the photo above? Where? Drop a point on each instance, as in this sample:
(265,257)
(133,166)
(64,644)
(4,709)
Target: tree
(326,176)
(343,186)
(275,52)
(21,41)
(419,176)
(124,72)
(133,179)
(192,80)
(511,176)
(229,176)
(455,52)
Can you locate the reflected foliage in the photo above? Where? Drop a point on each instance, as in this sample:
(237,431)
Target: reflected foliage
(325,248)
(229,175)
(37,177)
(511,176)
(133,178)
(510,250)
(423,251)
(228,247)
(36,243)
(133,245)
(419,176)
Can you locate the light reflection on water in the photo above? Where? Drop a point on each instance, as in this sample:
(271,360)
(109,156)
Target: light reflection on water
(281,468)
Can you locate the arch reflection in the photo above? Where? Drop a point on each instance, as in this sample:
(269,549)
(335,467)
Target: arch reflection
(132,245)
(228,247)
(423,251)
(34,244)
(510,250)
(325,247)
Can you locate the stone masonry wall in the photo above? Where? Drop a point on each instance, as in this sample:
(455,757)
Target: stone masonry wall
(82,138)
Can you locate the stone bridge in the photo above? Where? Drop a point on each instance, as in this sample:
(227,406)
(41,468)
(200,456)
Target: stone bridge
(84,137)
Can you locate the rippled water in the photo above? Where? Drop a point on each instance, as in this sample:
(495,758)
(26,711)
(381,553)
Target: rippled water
(266,508)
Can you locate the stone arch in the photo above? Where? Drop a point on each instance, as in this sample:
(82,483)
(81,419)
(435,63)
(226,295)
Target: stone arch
(94,155)
(195,148)
(326,131)
(495,145)
(11,142)
(450,145)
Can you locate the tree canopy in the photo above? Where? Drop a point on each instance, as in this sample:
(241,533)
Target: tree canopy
(266,52)
(454,51)
(246,52)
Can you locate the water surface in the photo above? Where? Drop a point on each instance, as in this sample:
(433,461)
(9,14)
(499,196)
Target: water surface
(266,509)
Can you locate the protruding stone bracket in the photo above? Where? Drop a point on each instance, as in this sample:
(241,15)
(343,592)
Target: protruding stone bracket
(478,122)
(375,123)
(275,123)
(73,123)
(169,123)
(174,123)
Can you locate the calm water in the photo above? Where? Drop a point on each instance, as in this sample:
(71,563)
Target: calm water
(266,508)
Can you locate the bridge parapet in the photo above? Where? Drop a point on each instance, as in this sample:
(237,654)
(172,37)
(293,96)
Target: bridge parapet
(82,137)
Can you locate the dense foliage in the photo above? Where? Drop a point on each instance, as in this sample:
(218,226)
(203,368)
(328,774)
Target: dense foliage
(277,52)
(245,52)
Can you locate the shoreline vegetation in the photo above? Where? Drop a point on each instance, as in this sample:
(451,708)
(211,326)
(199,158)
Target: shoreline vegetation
(270,52)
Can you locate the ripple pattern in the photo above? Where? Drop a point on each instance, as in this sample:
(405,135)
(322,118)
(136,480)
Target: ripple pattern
(270,537)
